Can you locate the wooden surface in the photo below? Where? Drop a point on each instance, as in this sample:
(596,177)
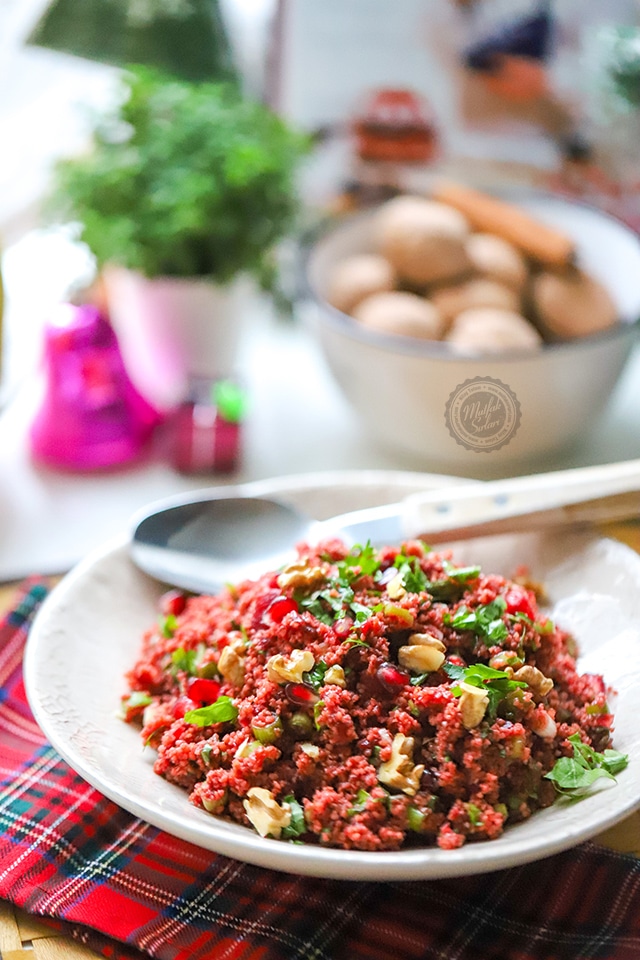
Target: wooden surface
(24,938)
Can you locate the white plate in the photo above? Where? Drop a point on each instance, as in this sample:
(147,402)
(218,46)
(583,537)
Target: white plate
(88,634)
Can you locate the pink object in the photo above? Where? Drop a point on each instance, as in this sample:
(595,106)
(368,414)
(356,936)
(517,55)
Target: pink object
(91,416)
(205,432)
(202,442)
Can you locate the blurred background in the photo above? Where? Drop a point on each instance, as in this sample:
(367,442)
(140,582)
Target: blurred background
(269,123)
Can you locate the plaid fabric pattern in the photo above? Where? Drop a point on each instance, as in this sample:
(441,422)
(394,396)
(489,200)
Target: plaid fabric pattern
(128,890)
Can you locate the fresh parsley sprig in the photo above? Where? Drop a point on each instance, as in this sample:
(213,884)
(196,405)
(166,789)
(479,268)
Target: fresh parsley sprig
(337,599)
(414,579)
(574,776)
(361,561)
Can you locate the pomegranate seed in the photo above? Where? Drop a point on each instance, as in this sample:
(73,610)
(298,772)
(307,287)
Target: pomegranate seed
(182,706)
(261,606)
(596,681)
(601,720)
(343,627)
(172,603)
(203,690)
(456,660)
(519,600)
(302,694)
(280,607)
(391,677)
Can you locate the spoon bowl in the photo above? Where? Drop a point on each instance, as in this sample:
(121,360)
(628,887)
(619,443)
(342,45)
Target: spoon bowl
(202,543)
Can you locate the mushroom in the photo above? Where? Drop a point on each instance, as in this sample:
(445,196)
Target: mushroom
(423,240)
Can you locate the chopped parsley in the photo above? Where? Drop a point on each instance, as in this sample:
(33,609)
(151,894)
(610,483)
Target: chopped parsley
(485,620)
(317,710)
(297,824)
(362,797)
(186,660)
(545,627)
(138,699)
(315,676)
(574,776)
(168,625)
(356,641)
(361,561)
(334,603)
(420,679)
(475,814)
(415,580)
(222,710)
(135,701)
(452,584)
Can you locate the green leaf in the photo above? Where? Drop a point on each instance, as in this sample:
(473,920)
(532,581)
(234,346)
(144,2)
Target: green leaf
(454,671)
(573,776)
(613,761)
(496,684)
(545,627)
(137,699)
(360,561)
(222,710)
(317,709)
(475,814)
(297,825)
(420,679)
(362,796)
(414,579)
(315,676)
(485,620)
(183,179)
(356,642)
(461,574)
(186,660)
(360,610)
(168,625)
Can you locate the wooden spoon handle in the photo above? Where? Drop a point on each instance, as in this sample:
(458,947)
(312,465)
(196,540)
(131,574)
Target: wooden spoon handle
(583,495)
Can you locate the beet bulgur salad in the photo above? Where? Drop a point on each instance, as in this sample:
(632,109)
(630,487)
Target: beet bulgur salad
(369,700)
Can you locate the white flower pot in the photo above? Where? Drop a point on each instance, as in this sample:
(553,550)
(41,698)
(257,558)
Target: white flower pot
(172,330)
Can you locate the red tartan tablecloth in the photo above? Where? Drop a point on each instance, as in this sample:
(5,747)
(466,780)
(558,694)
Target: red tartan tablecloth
(126,889)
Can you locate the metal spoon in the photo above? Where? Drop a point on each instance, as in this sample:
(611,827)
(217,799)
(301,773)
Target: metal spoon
(200,544)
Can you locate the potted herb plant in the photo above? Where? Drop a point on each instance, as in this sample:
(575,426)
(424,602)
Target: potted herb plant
(185,192)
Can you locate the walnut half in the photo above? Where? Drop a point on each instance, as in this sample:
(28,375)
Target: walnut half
(473,704)
(281,669)
(399,770)
(265,813)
